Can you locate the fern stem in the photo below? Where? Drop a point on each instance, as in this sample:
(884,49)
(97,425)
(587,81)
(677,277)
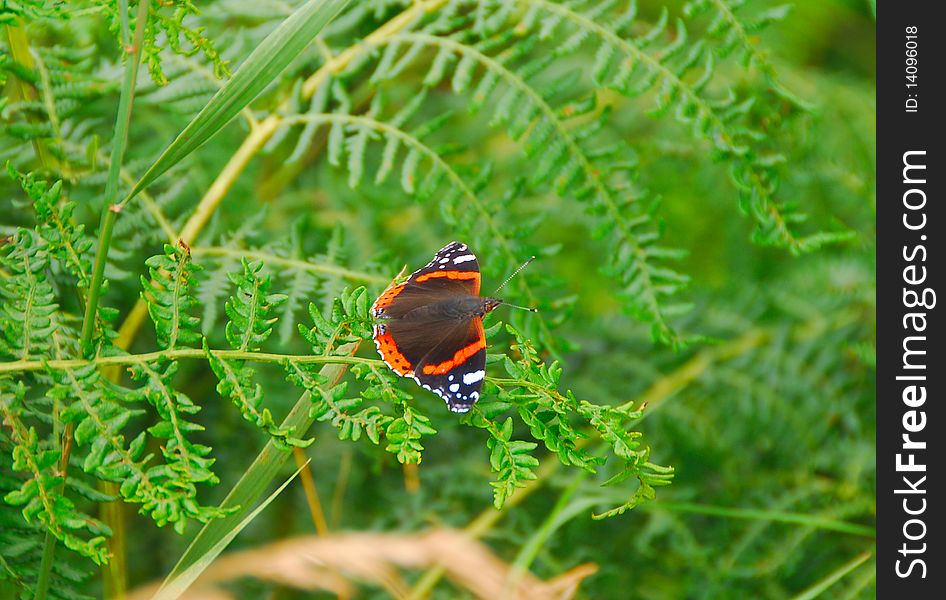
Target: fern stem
(591,172)
(20,52)
(629,48)
(119,143)
(311,492)
(292,263)
(180,353)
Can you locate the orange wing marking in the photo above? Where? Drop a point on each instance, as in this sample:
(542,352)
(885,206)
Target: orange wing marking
(391,355)
(474,275)
(458,358)
(387,297)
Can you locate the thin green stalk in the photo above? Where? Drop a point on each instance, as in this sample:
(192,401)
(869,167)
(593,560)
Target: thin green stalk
(768,515)
(820,587)
(563,511)
(292,263)
(45,567)
(20,52)
(179,353)
(119,143)
(105,236)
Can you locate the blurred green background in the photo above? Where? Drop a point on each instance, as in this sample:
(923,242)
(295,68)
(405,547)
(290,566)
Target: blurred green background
(766,410)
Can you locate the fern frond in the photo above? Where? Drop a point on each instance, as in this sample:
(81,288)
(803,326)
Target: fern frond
(167,30)
(186,459)
(40,494)
(250,309)
(249,326)
(404,434)
(166,492)
(510,459)
(66,241)
(348,321)
(28,302)
(169,296)
(330,404)
(533,390)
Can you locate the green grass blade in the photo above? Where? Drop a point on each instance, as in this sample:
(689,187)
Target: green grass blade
(834,577)
(769,515)
(262,67)
(174,587)
(257,478)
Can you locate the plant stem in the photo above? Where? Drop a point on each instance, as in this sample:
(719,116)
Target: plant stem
(20,52)
(179,353)
(819,588)
(292,263)
(119,143)
(114,575)
(311,492)
(768,515)
(98,276)
(45,567)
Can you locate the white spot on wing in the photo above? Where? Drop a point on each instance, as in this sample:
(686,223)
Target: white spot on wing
(475,376)
(454,387)
(464,258)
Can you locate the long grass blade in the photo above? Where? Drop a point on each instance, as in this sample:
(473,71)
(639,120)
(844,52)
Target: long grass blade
(820,587)
(175,586)
(259,70)
(254,482)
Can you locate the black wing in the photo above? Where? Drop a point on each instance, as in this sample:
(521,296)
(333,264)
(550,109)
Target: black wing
(455,368)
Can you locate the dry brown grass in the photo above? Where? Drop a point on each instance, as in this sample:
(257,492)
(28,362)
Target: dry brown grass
(339,563)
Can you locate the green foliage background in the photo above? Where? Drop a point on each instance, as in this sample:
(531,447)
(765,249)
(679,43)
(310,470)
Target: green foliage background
(696,180)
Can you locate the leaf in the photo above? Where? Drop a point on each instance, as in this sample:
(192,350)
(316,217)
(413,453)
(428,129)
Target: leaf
(173,588)
(258,475)
(260,69)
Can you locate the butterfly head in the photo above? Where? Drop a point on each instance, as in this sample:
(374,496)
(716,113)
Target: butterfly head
(489,303)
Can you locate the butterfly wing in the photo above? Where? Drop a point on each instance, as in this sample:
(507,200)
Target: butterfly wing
(453,270)
(454,262)
(455,368)
(437,353)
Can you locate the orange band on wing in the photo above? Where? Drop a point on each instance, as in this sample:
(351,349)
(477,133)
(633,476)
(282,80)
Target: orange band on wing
(391,355)
(388,296)
(458,358)
(460,275)
(449,275)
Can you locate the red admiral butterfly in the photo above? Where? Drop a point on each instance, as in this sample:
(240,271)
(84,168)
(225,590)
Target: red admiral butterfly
(433,326)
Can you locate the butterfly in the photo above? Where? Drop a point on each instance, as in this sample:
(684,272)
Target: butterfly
(431,327)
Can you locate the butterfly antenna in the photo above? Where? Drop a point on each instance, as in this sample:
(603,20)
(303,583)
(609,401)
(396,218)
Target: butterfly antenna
(514,273)
(528,308)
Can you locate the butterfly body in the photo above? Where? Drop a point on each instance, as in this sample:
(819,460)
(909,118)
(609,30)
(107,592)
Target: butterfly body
(456,308)
(430,327)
